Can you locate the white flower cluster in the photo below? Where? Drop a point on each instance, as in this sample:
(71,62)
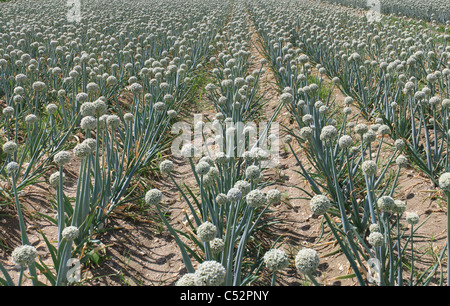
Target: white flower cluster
(386,203)
(207,231)
(307,261)
(256,198)
(376,239)
(153,197)
(320,204)
(62,158)
(216,245)
(24,255)
(166,167)
(54,179)
(276,259)
(369,167)
(10,147)
(187,279)
(328,134)
(209,273)
(70,233)
(12,168)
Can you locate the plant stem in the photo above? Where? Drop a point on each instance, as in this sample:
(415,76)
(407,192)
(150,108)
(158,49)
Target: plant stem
(412,256)
(274,276)
(313,280)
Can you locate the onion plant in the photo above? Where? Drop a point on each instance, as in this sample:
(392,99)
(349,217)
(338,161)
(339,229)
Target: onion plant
(227,211)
